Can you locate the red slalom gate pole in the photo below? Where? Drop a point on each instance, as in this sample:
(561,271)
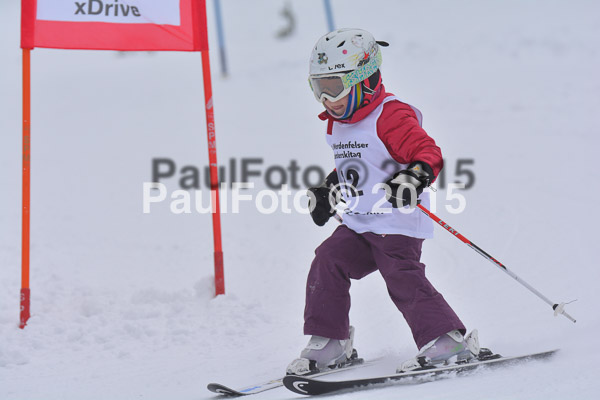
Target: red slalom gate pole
(214,177)
(25,291)
(558,308)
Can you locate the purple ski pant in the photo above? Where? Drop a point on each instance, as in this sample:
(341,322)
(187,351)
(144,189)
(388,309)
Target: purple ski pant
(349,255)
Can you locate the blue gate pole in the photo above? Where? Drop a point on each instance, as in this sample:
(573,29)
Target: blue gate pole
(221,38)
(329,15)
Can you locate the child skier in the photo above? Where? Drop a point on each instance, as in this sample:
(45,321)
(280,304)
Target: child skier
(384,160)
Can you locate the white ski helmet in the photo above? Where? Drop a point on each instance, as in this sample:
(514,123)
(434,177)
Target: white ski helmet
(341,59)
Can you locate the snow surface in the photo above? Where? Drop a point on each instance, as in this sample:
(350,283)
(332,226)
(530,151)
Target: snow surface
(122,303)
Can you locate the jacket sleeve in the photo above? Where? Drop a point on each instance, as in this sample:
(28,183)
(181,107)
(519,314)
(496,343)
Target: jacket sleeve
(399,130)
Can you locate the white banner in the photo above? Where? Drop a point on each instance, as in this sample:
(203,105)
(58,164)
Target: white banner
(160,12)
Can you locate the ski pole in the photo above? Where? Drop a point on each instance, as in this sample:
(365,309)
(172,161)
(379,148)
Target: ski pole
(558,308)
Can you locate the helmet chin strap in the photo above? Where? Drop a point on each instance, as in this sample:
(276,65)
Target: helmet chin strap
(371,87)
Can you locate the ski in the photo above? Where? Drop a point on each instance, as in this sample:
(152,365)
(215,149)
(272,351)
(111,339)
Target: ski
(310,386)
(354,362)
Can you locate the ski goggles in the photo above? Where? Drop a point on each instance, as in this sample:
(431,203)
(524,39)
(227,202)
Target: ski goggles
(330,87)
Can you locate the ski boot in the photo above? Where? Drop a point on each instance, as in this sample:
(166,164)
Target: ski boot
(449,348)
(322,353)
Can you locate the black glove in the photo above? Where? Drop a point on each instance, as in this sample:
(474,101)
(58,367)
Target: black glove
(419,175)
(325,199)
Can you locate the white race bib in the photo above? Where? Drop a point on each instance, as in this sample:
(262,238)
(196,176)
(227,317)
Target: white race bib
(363,165)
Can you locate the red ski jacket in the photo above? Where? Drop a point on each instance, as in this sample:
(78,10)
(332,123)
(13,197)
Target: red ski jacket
(399,130)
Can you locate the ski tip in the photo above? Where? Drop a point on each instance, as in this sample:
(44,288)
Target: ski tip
(548,353)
